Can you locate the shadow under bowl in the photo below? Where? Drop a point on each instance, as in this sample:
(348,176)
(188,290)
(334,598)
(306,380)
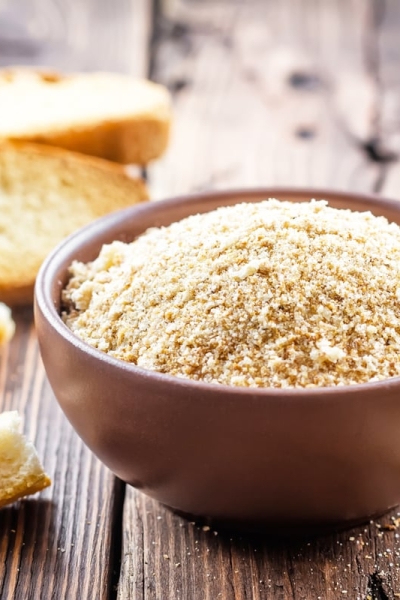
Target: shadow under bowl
(278,459)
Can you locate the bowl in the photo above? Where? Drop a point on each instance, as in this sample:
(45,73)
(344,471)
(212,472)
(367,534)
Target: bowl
(278,459)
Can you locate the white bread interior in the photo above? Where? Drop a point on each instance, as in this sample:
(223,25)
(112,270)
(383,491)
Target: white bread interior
(21,472)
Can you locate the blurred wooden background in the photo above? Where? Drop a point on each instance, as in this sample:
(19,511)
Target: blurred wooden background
(265,92)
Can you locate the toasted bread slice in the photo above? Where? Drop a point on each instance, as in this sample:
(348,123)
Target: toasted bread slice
(7,325)
(109,115)
(21,472)
(46,194)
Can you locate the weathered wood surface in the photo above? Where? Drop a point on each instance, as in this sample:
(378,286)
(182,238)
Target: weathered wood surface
(66,544)
(83,35)
(166,557)
(288,92)
(70,529)
(270,93)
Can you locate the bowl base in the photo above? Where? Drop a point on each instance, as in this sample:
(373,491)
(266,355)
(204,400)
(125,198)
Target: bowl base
(278,529)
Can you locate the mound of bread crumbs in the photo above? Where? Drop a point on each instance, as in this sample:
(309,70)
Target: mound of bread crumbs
(271,294)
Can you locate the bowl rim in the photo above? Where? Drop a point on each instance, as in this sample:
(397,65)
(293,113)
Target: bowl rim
(44,302)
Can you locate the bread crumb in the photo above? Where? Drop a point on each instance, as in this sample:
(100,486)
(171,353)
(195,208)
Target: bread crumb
(21,472)
(268,294)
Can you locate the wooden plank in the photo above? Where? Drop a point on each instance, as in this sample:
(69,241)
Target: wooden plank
(57,545)
(80,35)
(66,543)
(259,98)
(167,557)
(388,72)
(267,93)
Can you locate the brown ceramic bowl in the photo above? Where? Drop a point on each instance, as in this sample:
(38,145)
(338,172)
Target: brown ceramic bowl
(254,457)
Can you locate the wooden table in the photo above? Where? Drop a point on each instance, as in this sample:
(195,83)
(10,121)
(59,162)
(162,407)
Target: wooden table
(291,92)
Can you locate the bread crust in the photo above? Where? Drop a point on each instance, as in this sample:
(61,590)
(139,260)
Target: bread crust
(95,162)
(17,295)
(127,142)
(32,485)
(21,471)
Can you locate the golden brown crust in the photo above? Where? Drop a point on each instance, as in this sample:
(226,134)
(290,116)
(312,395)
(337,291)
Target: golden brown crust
(27,488)
(17,295)
(127,142)
(82,159)
(45,73)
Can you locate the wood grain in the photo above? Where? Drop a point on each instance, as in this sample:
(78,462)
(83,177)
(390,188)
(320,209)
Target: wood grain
(60,545)
(64,544)
(298,92)
(165,556)
(387,72)
(84,35)
(291,92)
(267,93)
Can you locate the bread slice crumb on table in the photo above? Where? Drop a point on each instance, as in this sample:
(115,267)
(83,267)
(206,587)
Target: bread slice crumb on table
(21,472)
(46,194)
(7,325)
(110,115)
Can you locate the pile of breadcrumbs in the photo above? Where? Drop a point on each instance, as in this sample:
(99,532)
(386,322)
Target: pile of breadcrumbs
(273,294)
